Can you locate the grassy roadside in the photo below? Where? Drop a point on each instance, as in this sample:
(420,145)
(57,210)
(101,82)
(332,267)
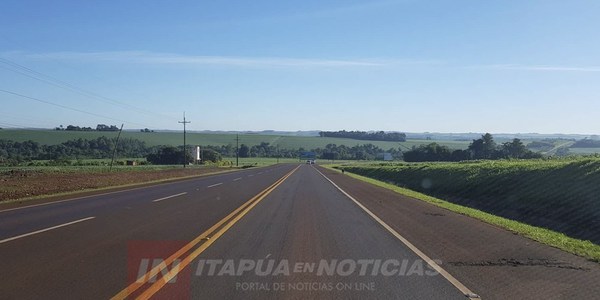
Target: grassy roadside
(582,248)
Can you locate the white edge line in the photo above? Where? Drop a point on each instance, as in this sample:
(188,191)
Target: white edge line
(239,178)
(213,185)
(169,197)
(44,230)
(461,287)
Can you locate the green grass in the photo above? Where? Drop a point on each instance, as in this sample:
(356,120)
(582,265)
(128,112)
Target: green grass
(559,194)
(583,151)
(175,138)
(561,241)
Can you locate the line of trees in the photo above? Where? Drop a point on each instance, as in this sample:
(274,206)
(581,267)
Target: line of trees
(483,148)
(99,127)
(12,152)
(586,143)
(101,147)
(368,136)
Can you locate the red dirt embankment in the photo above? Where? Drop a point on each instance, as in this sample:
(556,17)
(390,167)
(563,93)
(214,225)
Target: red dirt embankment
(19,183)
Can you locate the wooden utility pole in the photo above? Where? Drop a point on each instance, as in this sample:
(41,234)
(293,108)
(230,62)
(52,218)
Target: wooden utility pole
(237,150)
(184,122)
(115,149)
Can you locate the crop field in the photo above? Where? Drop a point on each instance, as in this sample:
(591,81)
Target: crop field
(51,137)
(560,194)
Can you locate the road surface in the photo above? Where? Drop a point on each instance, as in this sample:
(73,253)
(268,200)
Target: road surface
(285,231)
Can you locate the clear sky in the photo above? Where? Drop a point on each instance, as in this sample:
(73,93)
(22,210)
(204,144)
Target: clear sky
(438,66)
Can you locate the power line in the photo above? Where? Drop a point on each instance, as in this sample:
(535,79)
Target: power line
(68,107)
(25,71)
(12,125)
(30,121)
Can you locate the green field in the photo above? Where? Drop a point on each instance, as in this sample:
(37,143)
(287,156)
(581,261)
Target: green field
(51,137)
(583,151)
(560,194)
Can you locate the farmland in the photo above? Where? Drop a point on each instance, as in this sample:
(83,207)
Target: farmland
(52,137)
(559,194)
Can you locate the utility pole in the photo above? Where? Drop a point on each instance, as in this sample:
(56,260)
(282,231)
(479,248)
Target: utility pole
(115,150)
(184,144)
(237,150)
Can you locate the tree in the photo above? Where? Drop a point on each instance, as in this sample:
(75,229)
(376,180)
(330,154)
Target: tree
(514,149)
(483,148)
(211,155)
(168,155)
(431,152)
(244,151)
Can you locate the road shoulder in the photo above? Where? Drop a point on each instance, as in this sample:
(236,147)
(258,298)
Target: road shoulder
(487,258)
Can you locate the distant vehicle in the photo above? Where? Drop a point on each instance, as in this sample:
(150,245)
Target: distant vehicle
(308,162)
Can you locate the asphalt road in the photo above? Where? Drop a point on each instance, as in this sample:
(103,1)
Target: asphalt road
(284,231)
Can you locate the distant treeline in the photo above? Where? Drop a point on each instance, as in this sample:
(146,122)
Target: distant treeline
(483,148)
(368,136)
(100,147)
(99,127)
(12,153)
(587,143)
(330,152)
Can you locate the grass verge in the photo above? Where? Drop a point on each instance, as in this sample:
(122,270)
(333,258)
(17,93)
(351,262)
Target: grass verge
(555,239)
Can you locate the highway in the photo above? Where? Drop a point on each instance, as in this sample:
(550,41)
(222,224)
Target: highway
(285,231)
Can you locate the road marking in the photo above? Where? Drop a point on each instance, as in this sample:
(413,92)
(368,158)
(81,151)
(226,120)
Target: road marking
(44,230)
(169,197)
(213,185)
(212,234)
(250,175)
(239,178)
(260,173)
(461,287)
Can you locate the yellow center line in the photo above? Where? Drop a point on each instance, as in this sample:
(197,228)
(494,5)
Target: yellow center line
(233,217)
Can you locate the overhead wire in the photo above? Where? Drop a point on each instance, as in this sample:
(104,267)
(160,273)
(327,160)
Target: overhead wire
(70,108)
(28,72)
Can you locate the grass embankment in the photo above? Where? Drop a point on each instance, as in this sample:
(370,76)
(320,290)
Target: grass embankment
(555,202)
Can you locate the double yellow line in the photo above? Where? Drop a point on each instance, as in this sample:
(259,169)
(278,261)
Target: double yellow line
(205,239)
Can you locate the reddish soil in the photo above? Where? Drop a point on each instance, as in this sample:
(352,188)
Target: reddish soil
(16,184)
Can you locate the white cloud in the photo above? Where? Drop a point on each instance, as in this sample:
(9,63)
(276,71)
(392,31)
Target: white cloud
(144,57)
(541,68)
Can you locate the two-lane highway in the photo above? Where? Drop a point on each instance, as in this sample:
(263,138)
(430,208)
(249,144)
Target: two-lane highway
(284,231)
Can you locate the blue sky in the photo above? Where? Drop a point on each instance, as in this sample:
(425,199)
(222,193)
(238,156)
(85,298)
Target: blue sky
(437,66)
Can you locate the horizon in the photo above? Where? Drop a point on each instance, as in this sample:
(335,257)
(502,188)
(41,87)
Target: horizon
(448,67)
(217,131)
